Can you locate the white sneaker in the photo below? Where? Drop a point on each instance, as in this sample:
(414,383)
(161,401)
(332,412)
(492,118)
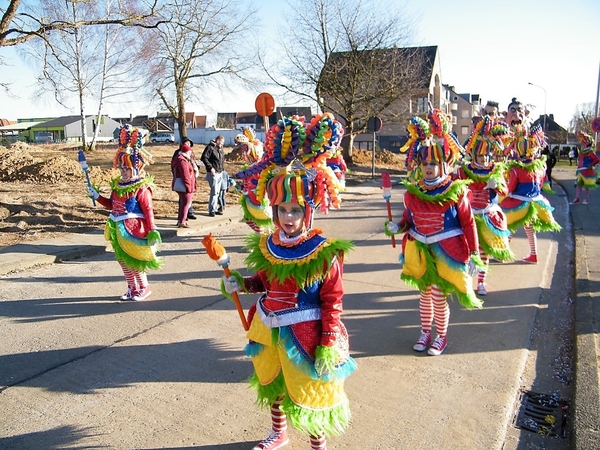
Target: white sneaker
(585,202)
(423,342)
(128,295)
(481,289)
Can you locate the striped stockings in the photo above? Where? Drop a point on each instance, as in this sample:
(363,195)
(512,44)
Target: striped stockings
(481,274)
(532,239)
(318,443)
(434,307)
(278,417)
(130,275)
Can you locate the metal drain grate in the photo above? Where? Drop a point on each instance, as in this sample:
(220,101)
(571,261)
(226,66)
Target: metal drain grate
(542,414)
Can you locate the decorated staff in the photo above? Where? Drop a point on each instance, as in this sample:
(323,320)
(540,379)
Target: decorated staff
(440,245)
(297,341)
(217,253)
(84,166)
(386,186)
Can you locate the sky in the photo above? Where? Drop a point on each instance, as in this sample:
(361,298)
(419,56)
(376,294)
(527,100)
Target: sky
(490,48)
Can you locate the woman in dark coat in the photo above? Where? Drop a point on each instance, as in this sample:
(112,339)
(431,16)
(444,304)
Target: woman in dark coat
(182,167)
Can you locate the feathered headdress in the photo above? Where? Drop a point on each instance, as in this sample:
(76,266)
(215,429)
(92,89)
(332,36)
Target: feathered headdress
(431,140)
(528,145)
(131,152)
(294,165)
(487,138)
(586,140)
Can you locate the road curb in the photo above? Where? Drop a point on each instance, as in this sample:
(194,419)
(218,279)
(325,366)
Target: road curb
(586,391)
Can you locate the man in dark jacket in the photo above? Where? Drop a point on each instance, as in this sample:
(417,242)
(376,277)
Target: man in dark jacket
(213,159)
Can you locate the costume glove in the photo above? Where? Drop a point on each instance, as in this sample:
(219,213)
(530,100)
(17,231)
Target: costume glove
(93,193)
(391,228)
(154,237)
(472,268)
(231,284)
(321,367)
(491,184)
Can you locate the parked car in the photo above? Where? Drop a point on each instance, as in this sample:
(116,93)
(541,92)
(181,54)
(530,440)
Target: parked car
(163,137)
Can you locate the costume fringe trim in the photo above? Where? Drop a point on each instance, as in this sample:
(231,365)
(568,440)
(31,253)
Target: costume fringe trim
(122,190)
(468,300)
(453,192)
(304,271)
(532,218)
(121,255)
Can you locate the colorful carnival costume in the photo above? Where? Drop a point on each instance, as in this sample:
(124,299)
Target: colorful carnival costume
(525,205)
(440,244)
(487,184)
(586,168)
(130,227)
(257,214)
(298,343)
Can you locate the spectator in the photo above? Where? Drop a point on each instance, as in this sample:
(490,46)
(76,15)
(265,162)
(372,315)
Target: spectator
(188,141)
(572,155)
(550,163)
(184,182)
(213,159)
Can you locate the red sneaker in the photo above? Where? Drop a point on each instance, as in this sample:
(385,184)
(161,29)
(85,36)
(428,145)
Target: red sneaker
(438,346)
(423,342)
(575,202)
(531,259)
(141,294)
(275,440)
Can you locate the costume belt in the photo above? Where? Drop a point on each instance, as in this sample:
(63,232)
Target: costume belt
(287,316)
(121,217)
(527,199)
(487,209)
(432,238)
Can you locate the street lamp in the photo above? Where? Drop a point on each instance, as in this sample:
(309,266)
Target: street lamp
(544,124)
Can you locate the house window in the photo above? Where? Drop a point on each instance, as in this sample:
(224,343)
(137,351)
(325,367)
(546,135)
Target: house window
(464,114)
(422,105)
(464,130)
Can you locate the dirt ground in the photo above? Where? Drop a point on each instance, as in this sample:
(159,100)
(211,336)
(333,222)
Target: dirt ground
(43,188)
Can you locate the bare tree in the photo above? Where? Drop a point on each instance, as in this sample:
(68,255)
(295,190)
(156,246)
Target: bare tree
(88,63)
(583,117)
(343,55)
(21,21)
(199,50)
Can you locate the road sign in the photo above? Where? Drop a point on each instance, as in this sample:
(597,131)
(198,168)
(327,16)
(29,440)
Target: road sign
(374,124)
(596,125)
(264,104)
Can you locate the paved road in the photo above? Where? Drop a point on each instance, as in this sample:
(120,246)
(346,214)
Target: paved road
(81,370)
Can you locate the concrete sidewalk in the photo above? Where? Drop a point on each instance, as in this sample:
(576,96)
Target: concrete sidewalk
(74,246)
(585,221)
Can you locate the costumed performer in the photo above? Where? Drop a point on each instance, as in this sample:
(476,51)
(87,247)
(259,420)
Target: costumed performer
(488,183)
(297,341)
(525,206)
(440,245)
(130,227)
(586,168)
(339,166)
(256,214)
